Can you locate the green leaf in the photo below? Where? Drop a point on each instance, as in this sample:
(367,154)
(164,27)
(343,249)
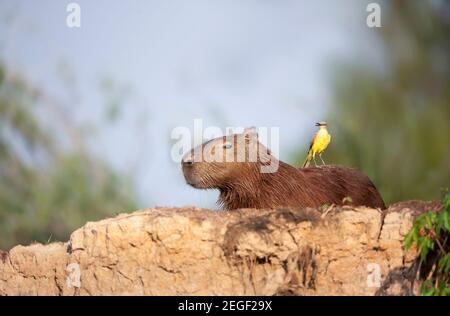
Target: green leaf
(446,219)
(410,238)
(447,202)
(427,288)
(446,291)
(444,264)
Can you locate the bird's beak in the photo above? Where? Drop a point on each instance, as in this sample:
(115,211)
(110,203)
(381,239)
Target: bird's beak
(317,124)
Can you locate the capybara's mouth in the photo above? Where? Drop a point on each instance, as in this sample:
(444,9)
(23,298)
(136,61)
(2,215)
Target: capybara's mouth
(193,183)
(189,181)
(189,176)
(194,180)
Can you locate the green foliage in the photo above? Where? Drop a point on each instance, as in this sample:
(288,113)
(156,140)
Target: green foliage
(430,234)
(391,120)
(49,183)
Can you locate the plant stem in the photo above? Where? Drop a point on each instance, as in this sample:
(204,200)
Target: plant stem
(440,246)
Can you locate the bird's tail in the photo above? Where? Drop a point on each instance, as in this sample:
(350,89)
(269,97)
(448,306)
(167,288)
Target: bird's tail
(307,160)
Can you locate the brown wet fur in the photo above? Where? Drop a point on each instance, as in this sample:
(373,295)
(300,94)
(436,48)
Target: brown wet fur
(307,187)
(242,185)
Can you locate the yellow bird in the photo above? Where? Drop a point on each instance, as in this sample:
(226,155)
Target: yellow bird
(318,144)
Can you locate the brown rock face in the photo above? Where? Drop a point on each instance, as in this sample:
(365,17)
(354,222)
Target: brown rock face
(189,251)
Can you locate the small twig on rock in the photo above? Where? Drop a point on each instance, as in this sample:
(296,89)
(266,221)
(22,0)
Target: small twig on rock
(328,210)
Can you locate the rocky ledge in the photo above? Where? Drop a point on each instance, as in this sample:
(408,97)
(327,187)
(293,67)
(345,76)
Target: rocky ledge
(190,251)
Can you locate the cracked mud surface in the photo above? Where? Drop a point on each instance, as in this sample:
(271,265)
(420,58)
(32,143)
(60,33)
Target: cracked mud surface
(191,251)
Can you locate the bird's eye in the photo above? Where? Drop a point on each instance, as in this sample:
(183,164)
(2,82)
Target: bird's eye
(227,146)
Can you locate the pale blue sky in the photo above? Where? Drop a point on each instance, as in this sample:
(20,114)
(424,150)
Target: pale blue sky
(231,63)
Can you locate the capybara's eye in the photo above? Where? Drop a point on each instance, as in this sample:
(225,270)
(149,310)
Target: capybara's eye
(227,146)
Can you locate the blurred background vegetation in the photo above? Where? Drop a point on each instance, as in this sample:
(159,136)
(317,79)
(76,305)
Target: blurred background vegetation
(50,183)
(394,122)
(390,121)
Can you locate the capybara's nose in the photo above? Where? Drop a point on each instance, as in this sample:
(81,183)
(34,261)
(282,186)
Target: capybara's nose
(187,161)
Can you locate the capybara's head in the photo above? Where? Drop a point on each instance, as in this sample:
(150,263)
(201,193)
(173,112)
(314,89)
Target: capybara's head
(221,162)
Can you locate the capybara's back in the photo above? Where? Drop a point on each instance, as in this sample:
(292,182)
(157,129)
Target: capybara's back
(333,184)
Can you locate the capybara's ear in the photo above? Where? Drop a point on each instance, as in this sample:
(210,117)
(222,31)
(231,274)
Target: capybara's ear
(250,132)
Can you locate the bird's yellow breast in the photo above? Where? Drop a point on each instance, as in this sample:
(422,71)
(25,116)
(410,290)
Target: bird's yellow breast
(321,141)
